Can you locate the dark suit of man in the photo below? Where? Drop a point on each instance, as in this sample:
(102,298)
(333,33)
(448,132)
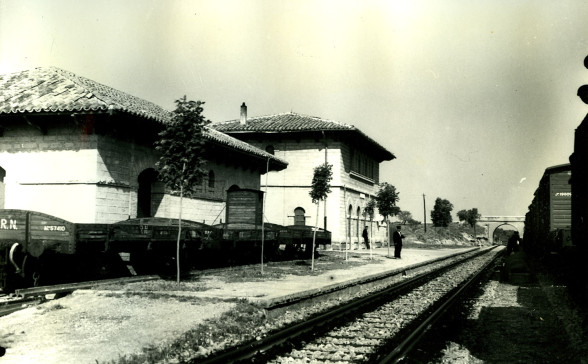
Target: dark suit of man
(366,238)
(397,238)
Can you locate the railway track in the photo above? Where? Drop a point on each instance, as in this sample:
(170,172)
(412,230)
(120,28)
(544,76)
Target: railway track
(379,327)
(27,297)
(8,306)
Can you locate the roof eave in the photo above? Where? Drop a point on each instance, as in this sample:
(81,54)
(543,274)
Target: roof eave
(275,164)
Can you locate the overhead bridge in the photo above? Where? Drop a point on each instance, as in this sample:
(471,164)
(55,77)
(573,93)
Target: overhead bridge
(494,222)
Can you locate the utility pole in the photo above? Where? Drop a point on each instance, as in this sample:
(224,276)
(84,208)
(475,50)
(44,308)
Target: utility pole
(326,161)
(425,212)
(325,205)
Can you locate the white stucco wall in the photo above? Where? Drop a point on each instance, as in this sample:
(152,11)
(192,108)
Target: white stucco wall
(289,189)
(60,183)
(93,179)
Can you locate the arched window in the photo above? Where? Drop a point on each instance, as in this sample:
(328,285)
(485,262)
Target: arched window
(299,218)
(146,180)
(211,179)
(270,149)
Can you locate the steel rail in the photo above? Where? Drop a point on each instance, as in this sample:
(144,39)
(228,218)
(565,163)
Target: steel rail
(323,321)
(8,307)
(375,278)
(70,287)
(406,345)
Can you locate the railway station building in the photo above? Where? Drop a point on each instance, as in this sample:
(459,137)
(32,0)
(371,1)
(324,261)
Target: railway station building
(306,142)
(82,151)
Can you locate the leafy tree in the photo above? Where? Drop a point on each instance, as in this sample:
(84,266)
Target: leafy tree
(470,216)
(181,163)
(319,190)
(404,217)
(386,199)
(441,214)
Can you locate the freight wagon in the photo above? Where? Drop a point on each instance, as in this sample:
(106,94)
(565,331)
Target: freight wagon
(548,221)
(242,231)
(40,249)
(579,183)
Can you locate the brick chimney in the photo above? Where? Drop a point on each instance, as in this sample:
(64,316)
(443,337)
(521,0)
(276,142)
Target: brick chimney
(243,120)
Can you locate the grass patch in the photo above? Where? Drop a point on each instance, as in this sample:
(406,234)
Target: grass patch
(159,285)
(53,307)
(237,324)
(276,270)
(252,273)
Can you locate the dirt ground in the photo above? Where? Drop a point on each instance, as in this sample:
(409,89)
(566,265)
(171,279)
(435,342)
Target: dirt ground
(96,326)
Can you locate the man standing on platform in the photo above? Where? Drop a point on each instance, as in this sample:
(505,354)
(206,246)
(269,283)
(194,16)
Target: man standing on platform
(366,238)
(397,238)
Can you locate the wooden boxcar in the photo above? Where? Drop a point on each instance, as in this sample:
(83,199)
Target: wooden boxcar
(579,183)
(548,221)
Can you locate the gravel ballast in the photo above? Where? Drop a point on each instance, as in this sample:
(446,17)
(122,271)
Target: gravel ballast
(511,321)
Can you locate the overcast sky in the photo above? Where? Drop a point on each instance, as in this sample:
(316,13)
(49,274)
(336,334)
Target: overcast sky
(475,97)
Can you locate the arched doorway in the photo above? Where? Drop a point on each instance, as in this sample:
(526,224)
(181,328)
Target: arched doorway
(146,180)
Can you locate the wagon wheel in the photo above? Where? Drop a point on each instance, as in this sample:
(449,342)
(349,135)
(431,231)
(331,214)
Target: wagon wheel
(109,265)
(271,250)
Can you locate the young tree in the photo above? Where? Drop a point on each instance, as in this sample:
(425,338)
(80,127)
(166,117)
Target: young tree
(369,211)
(441,214)
(386,201)
(320,188)
(181,163)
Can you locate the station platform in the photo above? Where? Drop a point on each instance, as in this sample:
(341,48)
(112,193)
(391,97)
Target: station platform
(370,264)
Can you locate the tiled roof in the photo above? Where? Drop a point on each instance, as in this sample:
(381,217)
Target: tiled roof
(294,122)
(224,139)
(53,90)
